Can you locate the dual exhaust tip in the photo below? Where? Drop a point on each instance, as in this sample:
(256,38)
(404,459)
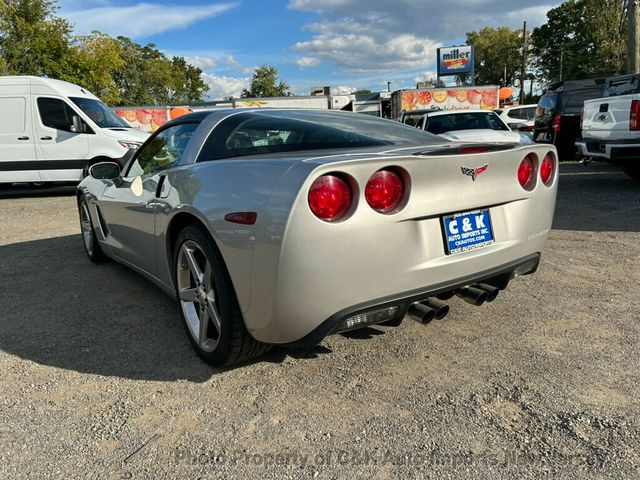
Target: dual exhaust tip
(429,309)
(432,308)
(478,294)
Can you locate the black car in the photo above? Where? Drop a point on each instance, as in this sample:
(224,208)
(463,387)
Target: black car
(557,118)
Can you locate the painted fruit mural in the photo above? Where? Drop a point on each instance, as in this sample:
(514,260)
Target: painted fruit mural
(469,98)
(150,119)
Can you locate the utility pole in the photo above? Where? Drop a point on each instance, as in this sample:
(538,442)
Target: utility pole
(633,42)
(561,61)
(524,62)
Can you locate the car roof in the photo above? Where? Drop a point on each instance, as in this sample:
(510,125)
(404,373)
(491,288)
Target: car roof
(512,107)
(438,113)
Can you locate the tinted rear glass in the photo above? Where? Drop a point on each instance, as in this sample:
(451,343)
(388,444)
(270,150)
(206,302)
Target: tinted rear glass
(572,102)
(547,103)
(625,86)
(255,133)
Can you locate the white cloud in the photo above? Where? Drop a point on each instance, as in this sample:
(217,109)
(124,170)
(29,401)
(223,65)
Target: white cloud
(366,36)
(307,62)
(342,90)
(230,60)
(202,63)
(223,86)
(139,20)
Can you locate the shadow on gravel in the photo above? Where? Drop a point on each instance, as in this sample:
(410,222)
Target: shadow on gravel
(25,190)
(61,310)
(597,197)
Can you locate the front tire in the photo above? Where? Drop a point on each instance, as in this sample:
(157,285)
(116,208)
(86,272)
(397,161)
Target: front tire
(209,308)
(89,240)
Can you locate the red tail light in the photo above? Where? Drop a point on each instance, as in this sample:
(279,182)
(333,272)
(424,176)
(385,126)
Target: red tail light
(525,172)
(634,115)
(384,190)
(547,167)
(555,125)
(329,198)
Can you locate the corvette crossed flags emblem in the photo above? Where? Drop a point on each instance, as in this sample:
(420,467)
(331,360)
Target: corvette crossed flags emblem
(474,172)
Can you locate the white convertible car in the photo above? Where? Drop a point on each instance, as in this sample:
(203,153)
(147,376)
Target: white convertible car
(279,227)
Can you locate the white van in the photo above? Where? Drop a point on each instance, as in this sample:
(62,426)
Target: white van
(51,130)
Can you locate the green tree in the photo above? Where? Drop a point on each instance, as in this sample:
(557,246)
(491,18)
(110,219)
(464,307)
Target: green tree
(265,83)
(148,77)
(187,83)
(496,50)
(362,90)
(589,36)
(91,62)
(33,41)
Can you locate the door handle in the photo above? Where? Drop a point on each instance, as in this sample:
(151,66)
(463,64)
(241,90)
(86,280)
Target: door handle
(23,138)
(46,138)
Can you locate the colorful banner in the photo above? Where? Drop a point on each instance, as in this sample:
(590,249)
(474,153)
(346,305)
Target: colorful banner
(458,99)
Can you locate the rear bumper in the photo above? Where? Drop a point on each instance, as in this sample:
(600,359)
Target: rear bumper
(499,277)
(611,150)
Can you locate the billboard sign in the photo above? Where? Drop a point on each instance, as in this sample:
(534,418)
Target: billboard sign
(455,60)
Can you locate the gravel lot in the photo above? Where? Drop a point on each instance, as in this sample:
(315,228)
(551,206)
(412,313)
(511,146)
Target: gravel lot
(98,379)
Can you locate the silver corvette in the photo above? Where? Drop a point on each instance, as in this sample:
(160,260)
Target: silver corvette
(284,226)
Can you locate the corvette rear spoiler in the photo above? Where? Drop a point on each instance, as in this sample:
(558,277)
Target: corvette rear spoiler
(468,149)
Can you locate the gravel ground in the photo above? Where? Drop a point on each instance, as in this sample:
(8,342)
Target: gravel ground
(98,379)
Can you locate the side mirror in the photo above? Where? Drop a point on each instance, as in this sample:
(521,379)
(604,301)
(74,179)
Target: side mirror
(78,125)
(105,171)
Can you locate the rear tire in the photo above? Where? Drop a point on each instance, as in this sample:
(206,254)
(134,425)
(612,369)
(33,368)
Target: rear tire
(632,169)
(209,308)
(91,245)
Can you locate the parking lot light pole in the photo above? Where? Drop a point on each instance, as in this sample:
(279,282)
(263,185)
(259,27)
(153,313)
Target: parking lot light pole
(524,62)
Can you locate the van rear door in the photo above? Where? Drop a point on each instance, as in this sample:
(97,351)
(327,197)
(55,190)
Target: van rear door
(17,148)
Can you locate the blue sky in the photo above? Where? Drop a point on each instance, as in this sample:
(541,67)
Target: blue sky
(345,44)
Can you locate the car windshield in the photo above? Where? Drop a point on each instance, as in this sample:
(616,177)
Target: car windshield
(101,115)
(464,121)
(254,133)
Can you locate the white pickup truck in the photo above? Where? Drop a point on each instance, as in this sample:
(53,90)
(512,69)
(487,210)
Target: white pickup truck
(611,125)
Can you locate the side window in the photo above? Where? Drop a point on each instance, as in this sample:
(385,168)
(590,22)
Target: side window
(163,150)
(516,113)
(55,113)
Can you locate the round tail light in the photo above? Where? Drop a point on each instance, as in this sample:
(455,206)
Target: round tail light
(525,172)
(329,198)
(384,191)
(547,168)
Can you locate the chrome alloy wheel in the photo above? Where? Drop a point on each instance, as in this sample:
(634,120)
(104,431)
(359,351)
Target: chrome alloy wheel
(197,295)
(87,229)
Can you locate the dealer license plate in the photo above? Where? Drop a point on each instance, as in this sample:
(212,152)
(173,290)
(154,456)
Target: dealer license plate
(467,231)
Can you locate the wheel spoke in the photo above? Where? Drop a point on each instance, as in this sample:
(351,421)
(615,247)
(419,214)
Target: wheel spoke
(193,265)
(204,326)
(207,281)
(213,314)
(188,294)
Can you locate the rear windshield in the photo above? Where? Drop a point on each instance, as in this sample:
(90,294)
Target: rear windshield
(547,104)
(464,121)
(572,102)
(626,86)
(255,133)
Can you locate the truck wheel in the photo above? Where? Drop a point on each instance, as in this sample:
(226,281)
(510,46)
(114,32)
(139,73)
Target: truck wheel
(208,305)
(632,169)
